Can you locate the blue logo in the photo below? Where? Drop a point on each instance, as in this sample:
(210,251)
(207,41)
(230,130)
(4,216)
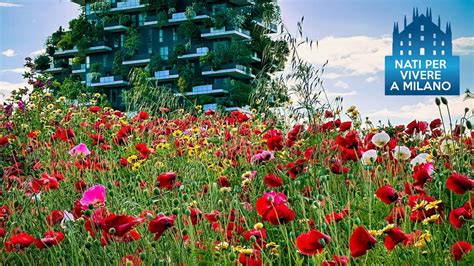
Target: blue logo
(422,62)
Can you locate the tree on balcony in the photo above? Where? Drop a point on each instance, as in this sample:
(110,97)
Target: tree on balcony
(83,33)
(132,42)
(42,62)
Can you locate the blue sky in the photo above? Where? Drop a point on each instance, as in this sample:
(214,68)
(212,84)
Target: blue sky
(354,35)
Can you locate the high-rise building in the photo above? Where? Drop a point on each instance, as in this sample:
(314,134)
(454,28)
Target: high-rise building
(206,50)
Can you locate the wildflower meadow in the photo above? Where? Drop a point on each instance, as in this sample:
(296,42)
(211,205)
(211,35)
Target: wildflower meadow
(83,184)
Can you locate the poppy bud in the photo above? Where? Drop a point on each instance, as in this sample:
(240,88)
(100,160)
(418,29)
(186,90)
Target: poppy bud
(357,221)
(292,234)
(468,124)
(88,245)
(143,256)
(185,197)
(175,211)
(444,101)
(156,191)
(438,101)
(466,110)
(253,238)
(175,202)
(232,256)
(184,232)
(187,212)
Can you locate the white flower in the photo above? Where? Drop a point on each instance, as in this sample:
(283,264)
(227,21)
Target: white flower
(369,157)
(419,159)
(380,139)
(401,153)
(68,217)
(448,146)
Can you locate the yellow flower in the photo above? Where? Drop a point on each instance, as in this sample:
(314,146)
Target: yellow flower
(245,182)
(421,242)
(132,158)
(225,189)
(420,205)
(222,246)
(246,251)
(177,133)
(258,226)
(430,219)
(433,205)
(388,228)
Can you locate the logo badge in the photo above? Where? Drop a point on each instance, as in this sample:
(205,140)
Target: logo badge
(422,62)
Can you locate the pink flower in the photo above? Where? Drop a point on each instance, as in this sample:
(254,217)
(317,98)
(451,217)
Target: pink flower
(80,149)
(94,195)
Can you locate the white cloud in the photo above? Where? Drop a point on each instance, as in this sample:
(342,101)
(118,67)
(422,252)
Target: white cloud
(38,52)
(7,87)
(425,110)
(19,70)
(354,55)
(371,79)
(5,4)
(341,84)
(9,53)
(340,94)
(362,55)
(463,45)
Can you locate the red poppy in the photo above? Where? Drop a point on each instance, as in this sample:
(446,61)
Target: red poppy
(119,225)
(272,207)
(360,241)
(296,168)
(167,180)
(94,109)
(273,181)
(422,174)
(394,236)
(50,238)
(459,184)
(387,194)
(46,182)
(457,217)
(338,261)
(55,217)
(259,235)
(159,224)
(275,143)
(223,181)
(252,259)
(336,216)
(338,168)
(345,126)
(19,242)
(143,150)
(312,242)
(459,249)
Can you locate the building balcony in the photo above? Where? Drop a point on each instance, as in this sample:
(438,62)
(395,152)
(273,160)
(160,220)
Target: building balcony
(243,2)
(138,60)
(109,82)
(115,27)
(80,68)
(226,32)
(127,5)
(177,18)
(233,70)
(165,75)
(255,58)
(240,109)
(204,90)
(265,26)
(209,106)
(56,68)
(98,47)
(197,53)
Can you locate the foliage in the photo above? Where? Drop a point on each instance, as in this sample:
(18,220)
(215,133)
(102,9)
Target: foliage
(42,62)
(83,33)
(236,52)
(132,42)
(117,66)
(156,64)
(71,89)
